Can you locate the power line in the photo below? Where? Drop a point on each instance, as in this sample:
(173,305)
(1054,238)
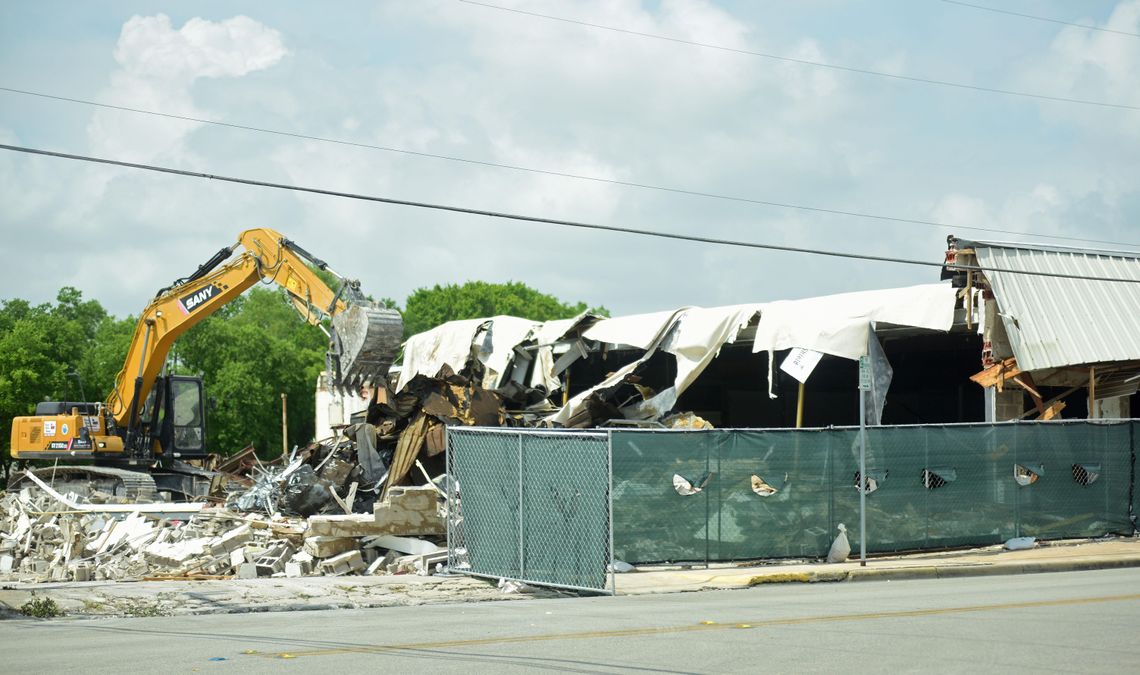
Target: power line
(548,221)
(561,174)
(807,62)
(1039,18)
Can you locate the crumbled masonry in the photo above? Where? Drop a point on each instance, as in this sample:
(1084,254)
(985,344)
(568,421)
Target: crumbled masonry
(40,541)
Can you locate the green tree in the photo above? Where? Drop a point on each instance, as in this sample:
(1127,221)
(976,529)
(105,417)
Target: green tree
(103,358)
(429,307)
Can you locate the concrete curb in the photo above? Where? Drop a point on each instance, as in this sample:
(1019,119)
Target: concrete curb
(936,571)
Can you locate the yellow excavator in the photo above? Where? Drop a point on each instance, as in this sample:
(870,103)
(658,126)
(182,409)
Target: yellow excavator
(139,438)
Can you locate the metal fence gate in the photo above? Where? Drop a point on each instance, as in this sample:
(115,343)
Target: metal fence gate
(531,506)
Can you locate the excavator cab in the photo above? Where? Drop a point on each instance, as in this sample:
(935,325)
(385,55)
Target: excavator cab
(172,421)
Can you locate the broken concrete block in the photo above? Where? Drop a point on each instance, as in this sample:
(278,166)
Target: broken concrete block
(294,569)
(254,552)
(356,525)
(6,564)
(247,571)
(409,545)
(327,547)
(174,554)
(422,564)
(410,511)
(405,511)
(229,541)
(376,565)
(237,557)
(273,561)
(342,564)
(81,572)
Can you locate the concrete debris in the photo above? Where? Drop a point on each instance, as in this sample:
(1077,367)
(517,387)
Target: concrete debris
(42,539)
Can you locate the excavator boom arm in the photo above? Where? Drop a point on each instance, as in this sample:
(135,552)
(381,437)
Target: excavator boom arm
(267,257)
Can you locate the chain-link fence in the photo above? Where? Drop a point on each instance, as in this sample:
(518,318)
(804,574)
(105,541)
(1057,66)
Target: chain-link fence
(530,505)
(536,505)
(782,493)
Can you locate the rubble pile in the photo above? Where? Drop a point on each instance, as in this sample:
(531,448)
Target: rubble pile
(41,539)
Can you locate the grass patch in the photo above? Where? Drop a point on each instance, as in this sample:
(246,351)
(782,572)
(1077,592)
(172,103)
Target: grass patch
(40,608)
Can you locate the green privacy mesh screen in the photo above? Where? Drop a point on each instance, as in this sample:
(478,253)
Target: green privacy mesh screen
(930,487)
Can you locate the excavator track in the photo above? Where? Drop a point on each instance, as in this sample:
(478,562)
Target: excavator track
(133,485)
(365,341)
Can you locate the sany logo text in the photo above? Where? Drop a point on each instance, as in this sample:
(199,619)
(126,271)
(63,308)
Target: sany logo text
(195,300)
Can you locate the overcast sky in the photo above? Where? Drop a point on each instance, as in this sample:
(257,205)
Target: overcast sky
(450,78)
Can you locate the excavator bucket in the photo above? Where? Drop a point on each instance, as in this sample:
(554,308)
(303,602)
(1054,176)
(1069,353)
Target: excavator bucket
(364,341)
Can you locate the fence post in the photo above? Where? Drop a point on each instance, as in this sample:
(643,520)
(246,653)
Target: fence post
(1132,473)
(522,573)
(450,504)
(865,376)
(610,499)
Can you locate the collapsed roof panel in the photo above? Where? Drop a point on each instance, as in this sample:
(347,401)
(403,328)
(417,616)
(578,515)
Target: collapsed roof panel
(637,330)
(448,344)
(1054,322)
(839,324)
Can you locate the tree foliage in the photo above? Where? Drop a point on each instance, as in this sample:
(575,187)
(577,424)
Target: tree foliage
(429,307)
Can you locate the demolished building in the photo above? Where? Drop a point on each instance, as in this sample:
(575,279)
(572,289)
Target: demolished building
(980,346)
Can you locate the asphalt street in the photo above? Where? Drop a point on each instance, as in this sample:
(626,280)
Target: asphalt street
(1064,622)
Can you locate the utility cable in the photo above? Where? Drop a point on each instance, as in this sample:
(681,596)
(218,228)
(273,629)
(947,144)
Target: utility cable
(552,221)
(807,62)
(1039,18)
(561,174)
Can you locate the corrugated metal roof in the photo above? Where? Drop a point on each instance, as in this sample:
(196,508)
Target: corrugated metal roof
(1063,322)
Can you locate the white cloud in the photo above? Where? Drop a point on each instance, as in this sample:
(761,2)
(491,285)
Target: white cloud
(149,47)
(158,64)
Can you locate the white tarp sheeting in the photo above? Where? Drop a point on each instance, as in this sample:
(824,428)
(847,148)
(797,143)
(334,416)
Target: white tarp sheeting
(425,353)
(834,324)
(839,324)
(451,343)
(637,330)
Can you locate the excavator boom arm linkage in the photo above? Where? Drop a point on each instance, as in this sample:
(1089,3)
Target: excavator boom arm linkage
(364,339)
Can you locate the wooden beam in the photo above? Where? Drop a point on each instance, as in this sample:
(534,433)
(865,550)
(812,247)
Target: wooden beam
(997,374)
(1026,381)
(1052,402)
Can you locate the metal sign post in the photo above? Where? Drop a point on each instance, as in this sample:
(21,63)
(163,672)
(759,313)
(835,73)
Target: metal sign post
(864,387)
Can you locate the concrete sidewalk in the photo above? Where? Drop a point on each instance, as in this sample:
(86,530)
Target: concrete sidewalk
(1054,556)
